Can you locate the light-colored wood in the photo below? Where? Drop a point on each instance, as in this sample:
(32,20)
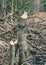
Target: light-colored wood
(24,15)
(13,42)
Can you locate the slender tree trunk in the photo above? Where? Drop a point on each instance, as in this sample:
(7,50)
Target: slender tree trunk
(16,5)
(23,52)
(12,54)
(36,6)
(3,4)
(4,8)
(12,11)
(12,51)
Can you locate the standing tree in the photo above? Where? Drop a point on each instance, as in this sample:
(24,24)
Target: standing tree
(36,6)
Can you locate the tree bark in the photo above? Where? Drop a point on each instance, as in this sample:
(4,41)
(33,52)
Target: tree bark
(36,6)
(12,54)
(23,53)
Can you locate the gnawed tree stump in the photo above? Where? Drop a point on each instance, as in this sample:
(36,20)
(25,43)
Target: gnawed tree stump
(23,49)
(12,51)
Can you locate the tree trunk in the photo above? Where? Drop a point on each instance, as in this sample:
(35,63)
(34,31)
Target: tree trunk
(23,52)
(36,6)
(12,11)
(12,54)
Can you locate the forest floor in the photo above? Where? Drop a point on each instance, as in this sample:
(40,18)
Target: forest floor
(36,29)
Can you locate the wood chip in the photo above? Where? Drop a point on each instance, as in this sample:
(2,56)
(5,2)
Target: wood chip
(24,15)
(13,42)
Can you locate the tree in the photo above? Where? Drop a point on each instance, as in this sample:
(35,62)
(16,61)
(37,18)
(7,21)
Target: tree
(12,51)
(36,6)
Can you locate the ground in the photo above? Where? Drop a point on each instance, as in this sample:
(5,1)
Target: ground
(37,30)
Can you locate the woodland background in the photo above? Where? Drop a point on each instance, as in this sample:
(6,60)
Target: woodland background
(10,12)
